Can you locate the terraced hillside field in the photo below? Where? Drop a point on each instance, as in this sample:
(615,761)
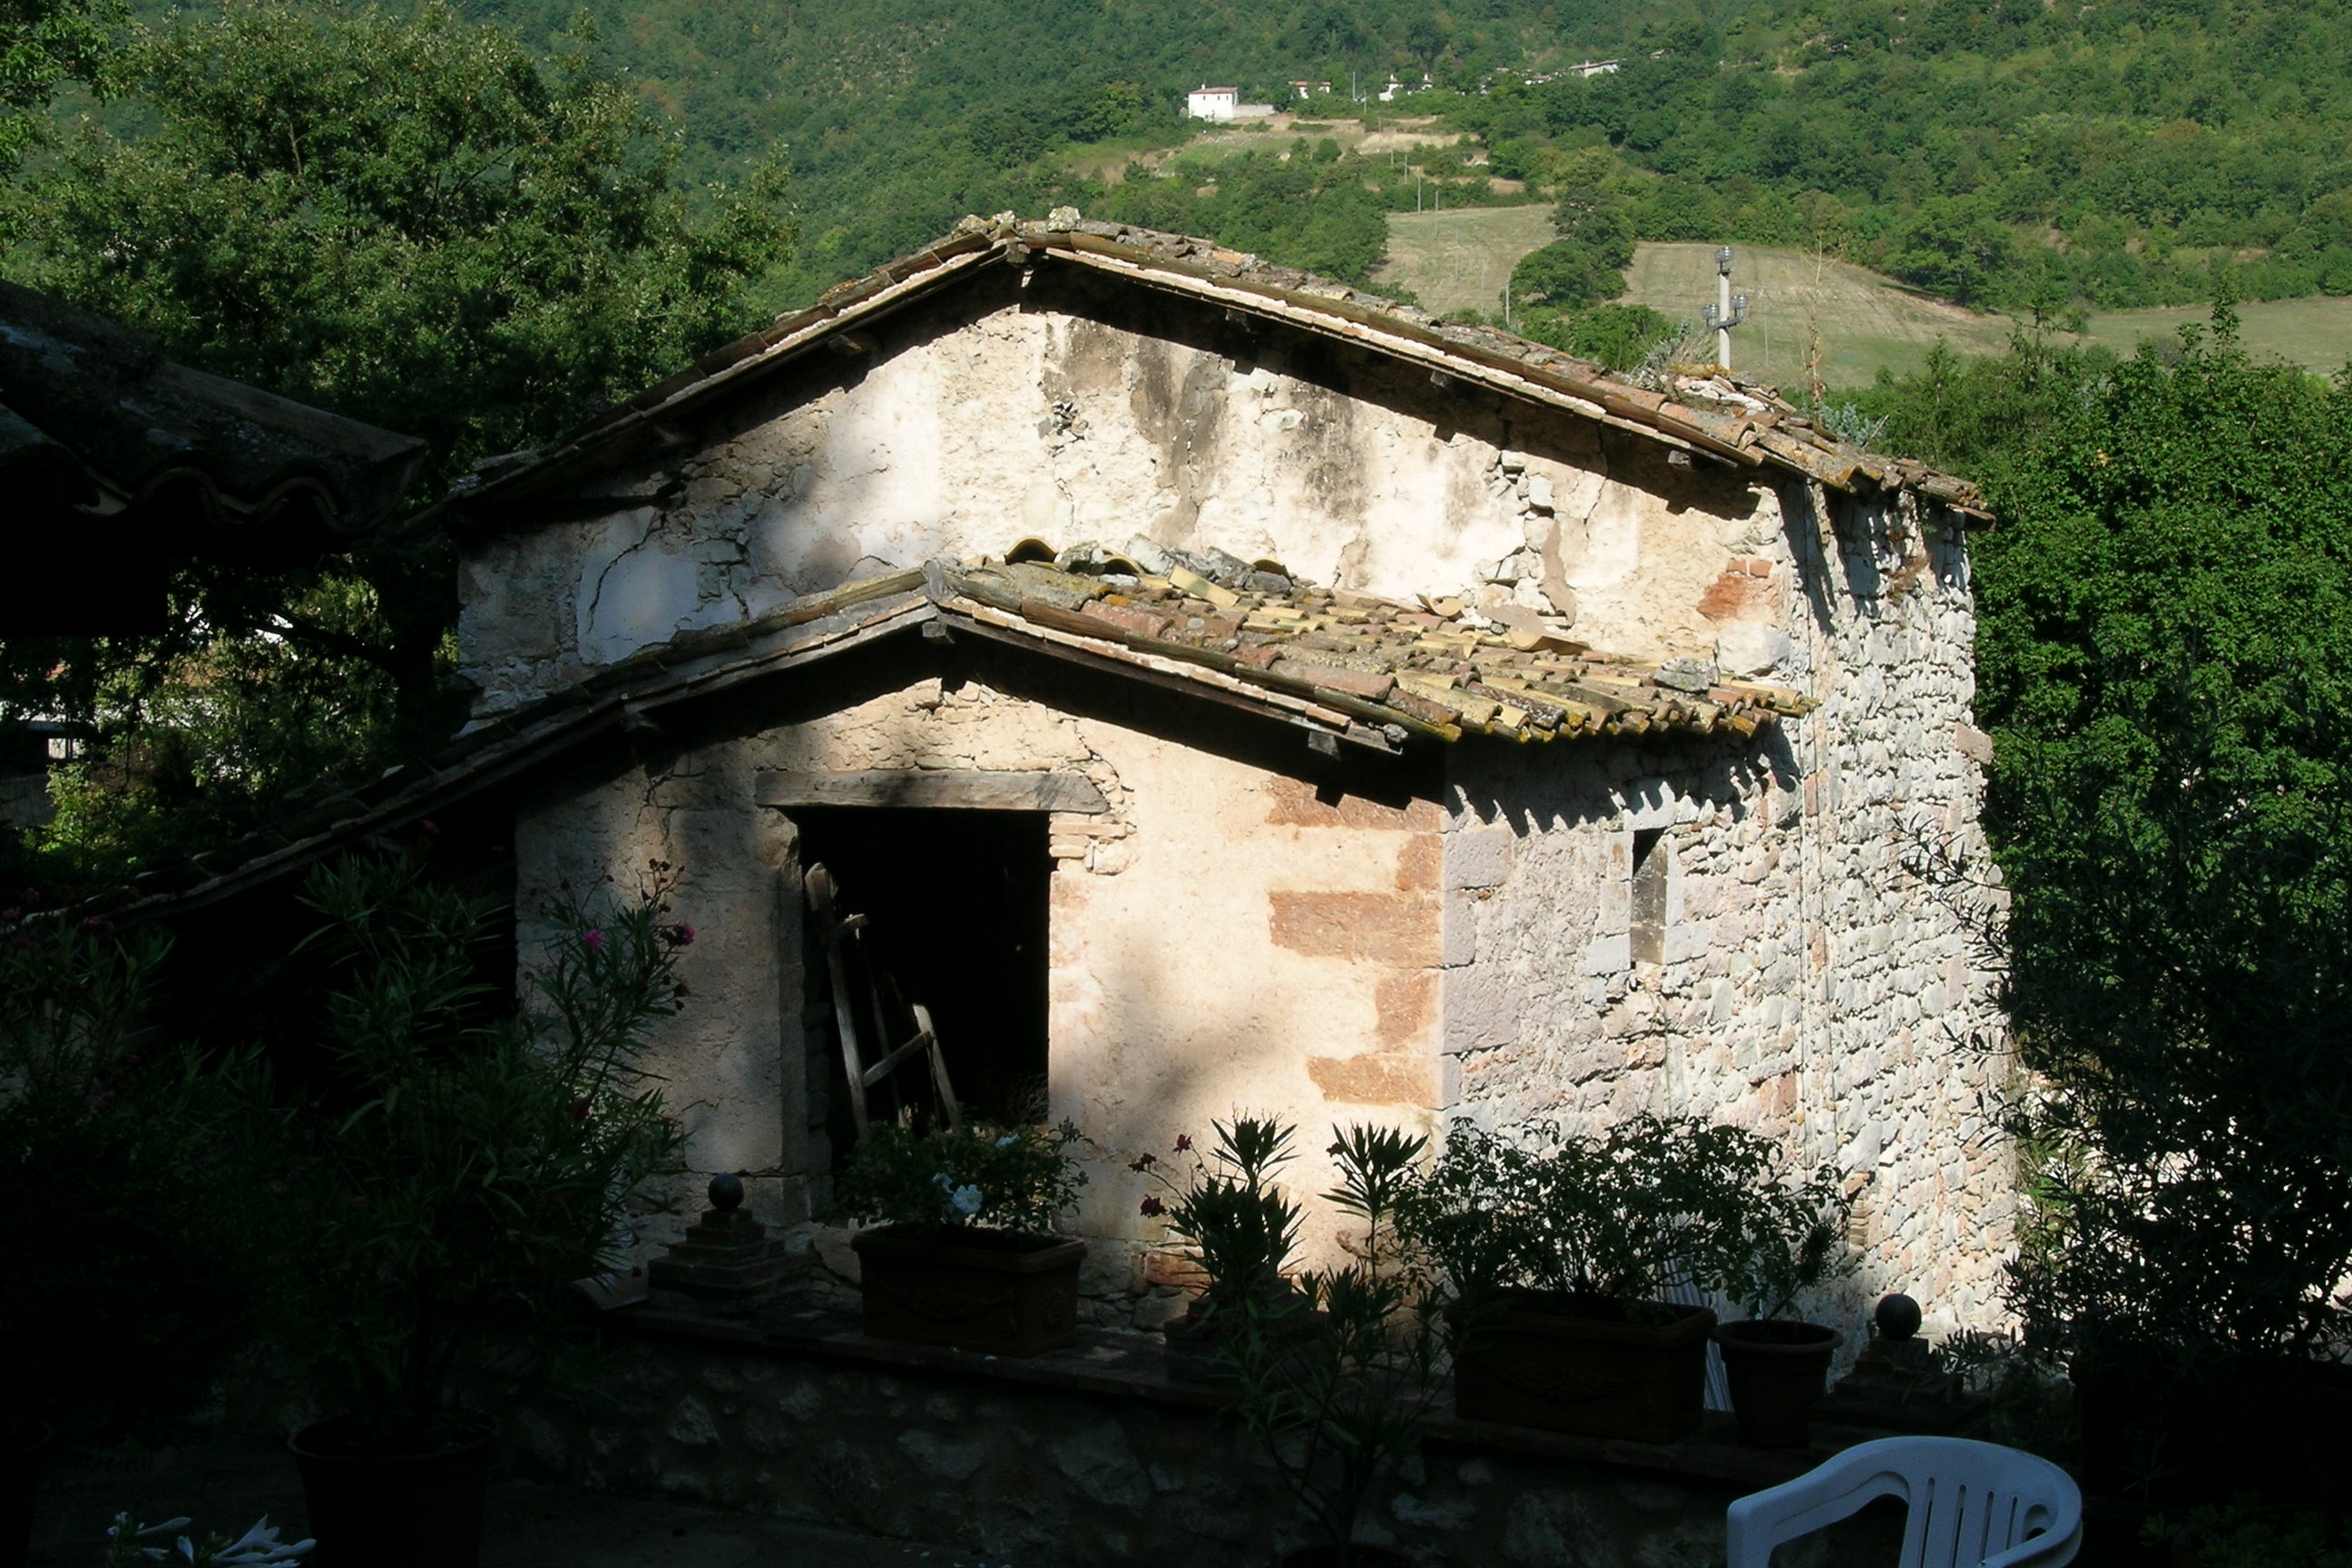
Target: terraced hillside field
(1862,321)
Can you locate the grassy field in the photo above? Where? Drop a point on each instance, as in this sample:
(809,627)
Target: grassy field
(1459,260)
(2314,333)
(1862,322)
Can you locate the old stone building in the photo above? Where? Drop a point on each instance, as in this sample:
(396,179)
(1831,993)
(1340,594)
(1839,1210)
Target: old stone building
(1229,690)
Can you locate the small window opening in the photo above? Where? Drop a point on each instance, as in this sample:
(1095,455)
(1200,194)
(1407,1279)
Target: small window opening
(1651,860)
(955,908)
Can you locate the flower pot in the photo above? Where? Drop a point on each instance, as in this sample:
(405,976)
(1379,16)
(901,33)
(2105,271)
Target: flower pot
(1776,1371)
(1577,1364)
(20,1478)
(997,1292)
(379,1510)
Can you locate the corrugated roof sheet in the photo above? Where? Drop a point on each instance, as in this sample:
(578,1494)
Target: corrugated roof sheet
(93,414)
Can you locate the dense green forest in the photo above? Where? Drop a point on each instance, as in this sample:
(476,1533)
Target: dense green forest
(2112,154)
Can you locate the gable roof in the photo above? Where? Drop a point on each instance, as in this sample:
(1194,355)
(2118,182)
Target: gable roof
(1742,423)
(1343,667)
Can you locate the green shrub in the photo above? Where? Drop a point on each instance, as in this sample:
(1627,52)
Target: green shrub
(1016,1179)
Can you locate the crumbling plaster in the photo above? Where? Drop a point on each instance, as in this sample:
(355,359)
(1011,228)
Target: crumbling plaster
(962,426)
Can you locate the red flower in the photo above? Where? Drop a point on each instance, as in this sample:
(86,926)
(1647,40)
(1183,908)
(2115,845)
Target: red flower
(678,936)
(580,1107)
(680,991)
(1183,1143)
(1154,1206)
(1142,1163)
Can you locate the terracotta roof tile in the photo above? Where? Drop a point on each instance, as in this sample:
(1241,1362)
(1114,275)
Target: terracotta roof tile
(1743,422)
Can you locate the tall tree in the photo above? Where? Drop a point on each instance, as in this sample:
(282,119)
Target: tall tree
(45,44)
(2164,658)
(409,219)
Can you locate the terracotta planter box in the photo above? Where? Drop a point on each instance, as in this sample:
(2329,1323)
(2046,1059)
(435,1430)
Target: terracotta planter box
(994,1291)
(373,1510)
(1776,1373)
(1529,1362)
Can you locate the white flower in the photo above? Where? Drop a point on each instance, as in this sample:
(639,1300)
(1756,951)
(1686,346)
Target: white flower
(966,1200)
(259,1546)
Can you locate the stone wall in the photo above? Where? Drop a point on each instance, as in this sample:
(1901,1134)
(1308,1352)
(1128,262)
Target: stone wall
(1236,933)
(1053,1478)
(1807,981)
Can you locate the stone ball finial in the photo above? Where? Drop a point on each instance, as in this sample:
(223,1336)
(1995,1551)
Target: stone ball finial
(727,1193)
(1897,1316)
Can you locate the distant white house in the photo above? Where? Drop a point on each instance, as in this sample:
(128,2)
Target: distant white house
(1306,89)
(1206,102)
(1595,68)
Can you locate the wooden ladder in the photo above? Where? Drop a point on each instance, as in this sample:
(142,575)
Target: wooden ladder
(845,950)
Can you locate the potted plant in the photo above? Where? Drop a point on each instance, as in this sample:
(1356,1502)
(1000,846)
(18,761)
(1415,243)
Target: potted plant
(257,1548)
(1776,1239)
(962,1250)
(129,1170)
(1560,1249)
(458,1160)
(1238,1227)
(1341,1406)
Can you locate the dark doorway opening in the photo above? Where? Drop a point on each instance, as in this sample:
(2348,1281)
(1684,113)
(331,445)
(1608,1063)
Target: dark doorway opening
(956,909)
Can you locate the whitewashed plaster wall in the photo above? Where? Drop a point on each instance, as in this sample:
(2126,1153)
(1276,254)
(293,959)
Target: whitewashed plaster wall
(966,430)
(1812,984)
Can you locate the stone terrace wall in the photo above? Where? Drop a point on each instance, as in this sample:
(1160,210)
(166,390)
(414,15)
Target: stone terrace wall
(1053,1478)
(1808,984)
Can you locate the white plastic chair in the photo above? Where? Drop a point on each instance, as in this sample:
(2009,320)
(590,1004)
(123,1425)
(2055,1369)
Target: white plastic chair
(1973,1505)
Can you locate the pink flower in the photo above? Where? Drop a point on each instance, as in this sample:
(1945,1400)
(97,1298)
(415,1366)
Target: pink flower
(1153,1205)
(1183,1143)
(594,940)
(678,936)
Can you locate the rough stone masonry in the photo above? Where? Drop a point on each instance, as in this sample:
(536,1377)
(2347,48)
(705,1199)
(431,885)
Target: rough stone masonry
(1761,930)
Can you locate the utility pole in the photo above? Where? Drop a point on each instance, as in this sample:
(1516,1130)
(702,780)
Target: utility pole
(1729,310)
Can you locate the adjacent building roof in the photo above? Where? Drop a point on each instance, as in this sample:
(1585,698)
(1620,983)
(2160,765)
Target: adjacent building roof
(1742,423)
(1345,667)
(93,418)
